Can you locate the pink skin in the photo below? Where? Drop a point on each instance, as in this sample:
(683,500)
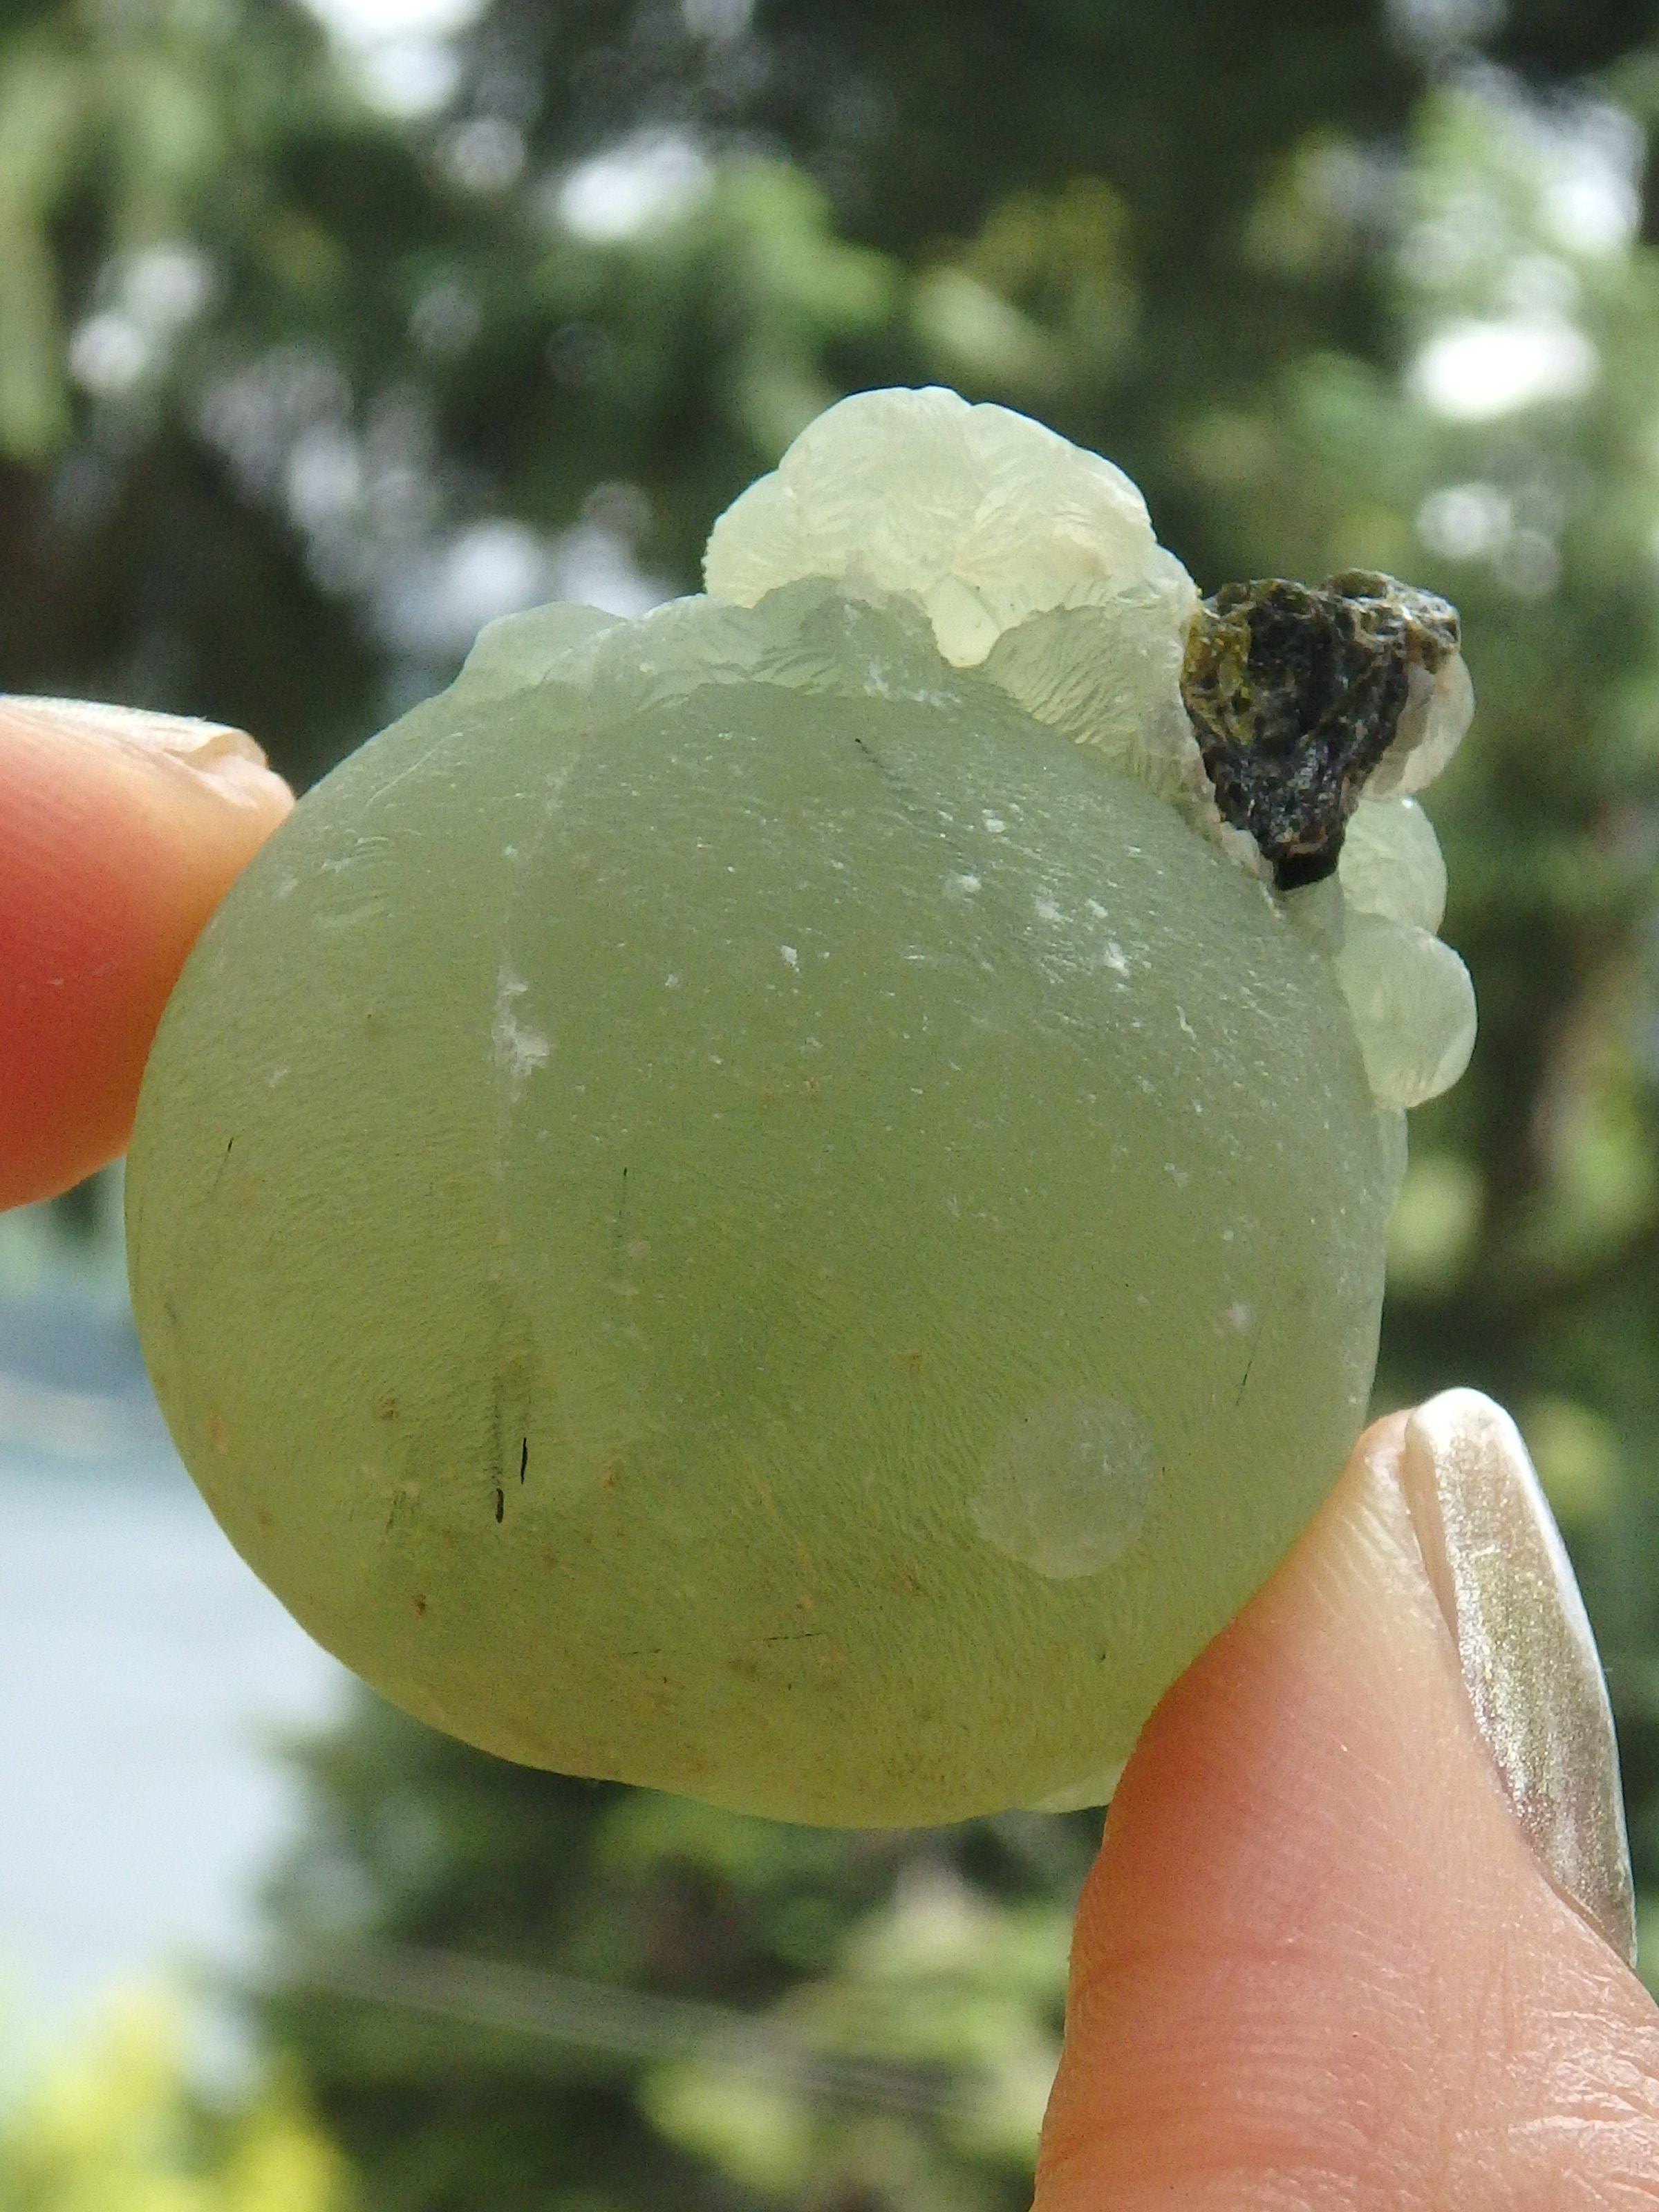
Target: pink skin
(1317,1968)
(119,833)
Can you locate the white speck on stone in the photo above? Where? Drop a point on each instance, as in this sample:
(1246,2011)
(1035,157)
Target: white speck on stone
(994,824)
(1047,910)
(518,1048)
(671,982)
(1238,1316)
(1186,1028)
(1114,957)
(277,1077)
(791,957)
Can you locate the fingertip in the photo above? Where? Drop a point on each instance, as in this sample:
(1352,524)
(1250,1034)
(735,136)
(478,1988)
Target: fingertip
(119,833)
(1310,1884)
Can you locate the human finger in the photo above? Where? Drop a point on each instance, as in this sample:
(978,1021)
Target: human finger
(1358,1933)
(119,833)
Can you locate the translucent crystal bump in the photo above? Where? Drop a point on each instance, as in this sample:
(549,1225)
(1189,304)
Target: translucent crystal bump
(1391,864)
(1412,1006)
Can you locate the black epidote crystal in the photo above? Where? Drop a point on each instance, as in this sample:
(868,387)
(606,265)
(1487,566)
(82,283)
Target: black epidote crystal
(1296,691)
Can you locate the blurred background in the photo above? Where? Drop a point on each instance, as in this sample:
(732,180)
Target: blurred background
(328,333)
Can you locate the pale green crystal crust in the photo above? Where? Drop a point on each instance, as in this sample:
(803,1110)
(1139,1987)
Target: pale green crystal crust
(727,1205)
(1037,563)
(1032,559)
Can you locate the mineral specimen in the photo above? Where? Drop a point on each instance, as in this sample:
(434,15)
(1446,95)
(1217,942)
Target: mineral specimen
(768,1199)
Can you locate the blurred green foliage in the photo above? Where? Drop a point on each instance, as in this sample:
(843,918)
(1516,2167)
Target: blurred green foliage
(114,2127)
(310,363)
(513,1990)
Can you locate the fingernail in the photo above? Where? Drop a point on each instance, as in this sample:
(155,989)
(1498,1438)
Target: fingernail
(1501,1573)
(226,757)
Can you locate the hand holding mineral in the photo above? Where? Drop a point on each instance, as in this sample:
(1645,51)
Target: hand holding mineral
(1323,1858)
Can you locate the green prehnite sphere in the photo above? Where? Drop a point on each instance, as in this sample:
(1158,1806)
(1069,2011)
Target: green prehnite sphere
(725,1206)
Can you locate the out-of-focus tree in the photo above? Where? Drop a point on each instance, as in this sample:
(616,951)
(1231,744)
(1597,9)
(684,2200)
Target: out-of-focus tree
(298,387)
(511,1990)
(164,216)
(116,2128)
(379,377)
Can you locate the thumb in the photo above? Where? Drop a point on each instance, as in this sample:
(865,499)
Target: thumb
(119,833)
(1358,1936)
